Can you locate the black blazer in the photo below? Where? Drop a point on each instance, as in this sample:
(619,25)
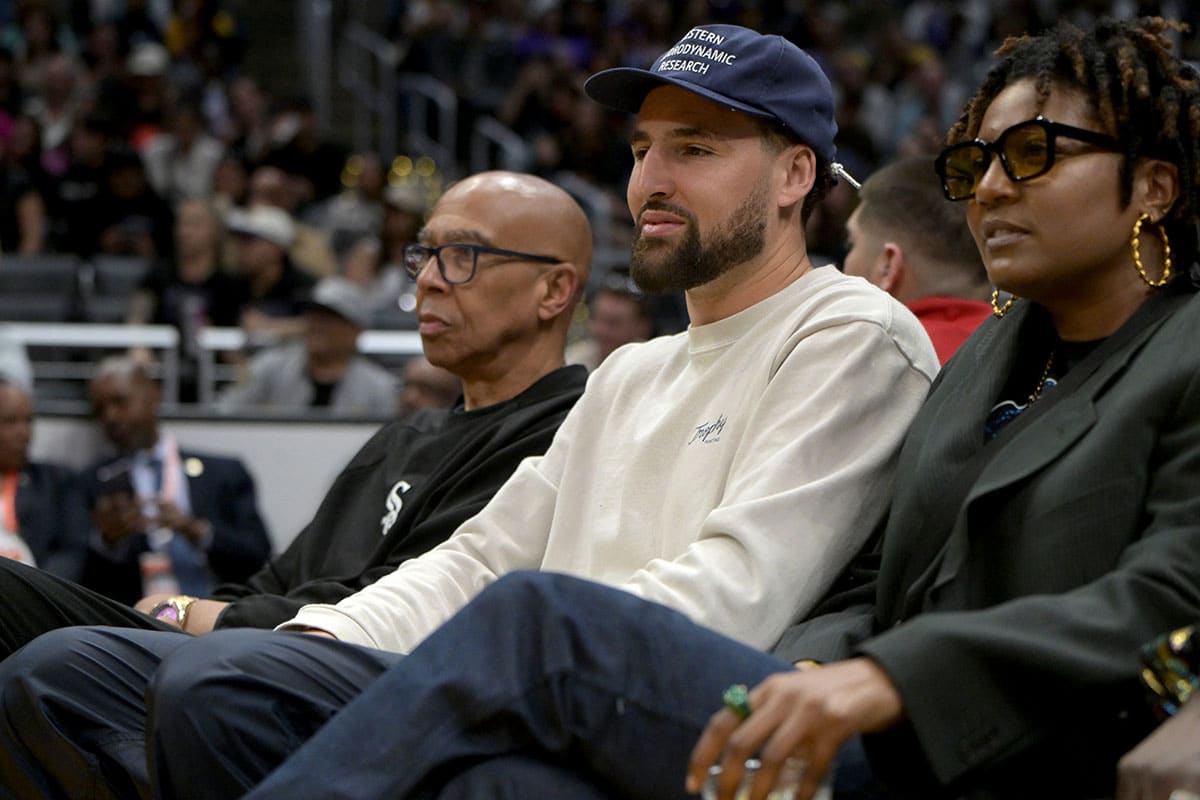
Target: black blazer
(222,493)
(52,512)
(1017,580)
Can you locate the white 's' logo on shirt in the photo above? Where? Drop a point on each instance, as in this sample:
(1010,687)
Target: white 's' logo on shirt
(394,504)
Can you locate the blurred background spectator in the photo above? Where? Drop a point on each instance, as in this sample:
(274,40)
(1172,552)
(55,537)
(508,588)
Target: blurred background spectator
(618,313)
(181,162)
(43,514)
(378,264)
(160,509)
(323,370)
(191,289)
(134,220)
(426,386)
(23,219)
(273,289)
(309,250)
(14,362)
(909,240)
(357,210)
(351,118)
(77,203)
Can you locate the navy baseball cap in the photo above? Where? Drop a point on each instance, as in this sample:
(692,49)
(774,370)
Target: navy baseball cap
(764,76)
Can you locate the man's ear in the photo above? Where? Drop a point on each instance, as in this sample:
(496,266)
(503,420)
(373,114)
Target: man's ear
(893,269)
(800,175)
(560,287)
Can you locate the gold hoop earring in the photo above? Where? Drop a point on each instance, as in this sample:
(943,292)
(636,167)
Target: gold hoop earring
(1001,310)
(1134,246)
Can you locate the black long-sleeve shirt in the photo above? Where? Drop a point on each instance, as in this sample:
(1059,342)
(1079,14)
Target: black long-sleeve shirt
(409,487)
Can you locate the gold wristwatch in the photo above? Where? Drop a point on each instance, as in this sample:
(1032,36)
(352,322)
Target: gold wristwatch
(173,610)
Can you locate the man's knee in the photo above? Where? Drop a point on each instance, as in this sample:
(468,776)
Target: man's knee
(535,589)
(82,684)
(58,657)
(24,669)
(202,665)
(520,586)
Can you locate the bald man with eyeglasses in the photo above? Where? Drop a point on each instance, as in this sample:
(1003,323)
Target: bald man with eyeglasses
(502,333)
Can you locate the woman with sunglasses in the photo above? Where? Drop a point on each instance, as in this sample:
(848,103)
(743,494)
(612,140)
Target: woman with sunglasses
(1046,522)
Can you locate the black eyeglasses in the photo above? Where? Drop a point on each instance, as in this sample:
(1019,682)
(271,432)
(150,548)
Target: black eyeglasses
(458,261)
(1026,150)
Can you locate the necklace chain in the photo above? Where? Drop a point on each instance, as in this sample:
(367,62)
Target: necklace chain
(1041,384)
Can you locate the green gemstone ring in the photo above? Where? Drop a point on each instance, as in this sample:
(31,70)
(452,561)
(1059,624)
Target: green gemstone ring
(737,700)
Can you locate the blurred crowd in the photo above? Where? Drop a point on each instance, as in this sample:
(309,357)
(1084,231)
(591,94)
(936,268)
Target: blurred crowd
(133,128)
(901,70)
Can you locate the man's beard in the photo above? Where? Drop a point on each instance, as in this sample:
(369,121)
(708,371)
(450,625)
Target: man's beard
(659,268)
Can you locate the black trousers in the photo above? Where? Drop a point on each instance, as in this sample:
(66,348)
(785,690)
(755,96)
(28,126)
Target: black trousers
(33,602)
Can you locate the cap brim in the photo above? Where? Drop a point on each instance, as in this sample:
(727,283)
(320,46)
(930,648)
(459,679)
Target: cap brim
(624,89)
(316,305)
(253,233)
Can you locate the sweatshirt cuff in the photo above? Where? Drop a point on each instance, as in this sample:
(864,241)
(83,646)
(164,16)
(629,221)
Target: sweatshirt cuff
(328,618)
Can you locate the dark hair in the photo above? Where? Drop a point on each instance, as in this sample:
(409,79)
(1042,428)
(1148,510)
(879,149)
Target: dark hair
(777,137)
(1143,95)
(905,199)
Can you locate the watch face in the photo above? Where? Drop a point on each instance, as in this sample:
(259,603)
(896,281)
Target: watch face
(168,613)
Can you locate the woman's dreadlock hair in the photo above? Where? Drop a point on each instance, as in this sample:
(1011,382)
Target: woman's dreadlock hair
(1142,94)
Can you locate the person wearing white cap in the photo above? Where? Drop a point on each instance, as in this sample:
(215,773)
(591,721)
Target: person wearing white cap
(274,291)
(310,250)
(323,372)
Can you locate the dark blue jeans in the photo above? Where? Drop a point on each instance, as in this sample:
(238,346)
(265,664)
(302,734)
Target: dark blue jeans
(571,672)
(544,686)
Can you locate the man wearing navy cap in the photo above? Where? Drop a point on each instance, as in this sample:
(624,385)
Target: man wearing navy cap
(729,472)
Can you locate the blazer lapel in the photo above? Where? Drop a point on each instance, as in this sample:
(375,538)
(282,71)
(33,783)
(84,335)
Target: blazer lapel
(1052,425)
(952,431)
(940,457)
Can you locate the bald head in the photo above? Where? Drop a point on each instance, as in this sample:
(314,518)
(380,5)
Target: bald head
(505,325)
(533,215)
(125,402)
(123,367)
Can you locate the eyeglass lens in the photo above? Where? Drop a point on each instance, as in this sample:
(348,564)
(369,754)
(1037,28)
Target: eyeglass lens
(458,263)
(1025,152)
(455,262)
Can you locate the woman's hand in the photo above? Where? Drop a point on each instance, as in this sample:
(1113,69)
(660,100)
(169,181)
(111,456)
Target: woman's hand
(804,715)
